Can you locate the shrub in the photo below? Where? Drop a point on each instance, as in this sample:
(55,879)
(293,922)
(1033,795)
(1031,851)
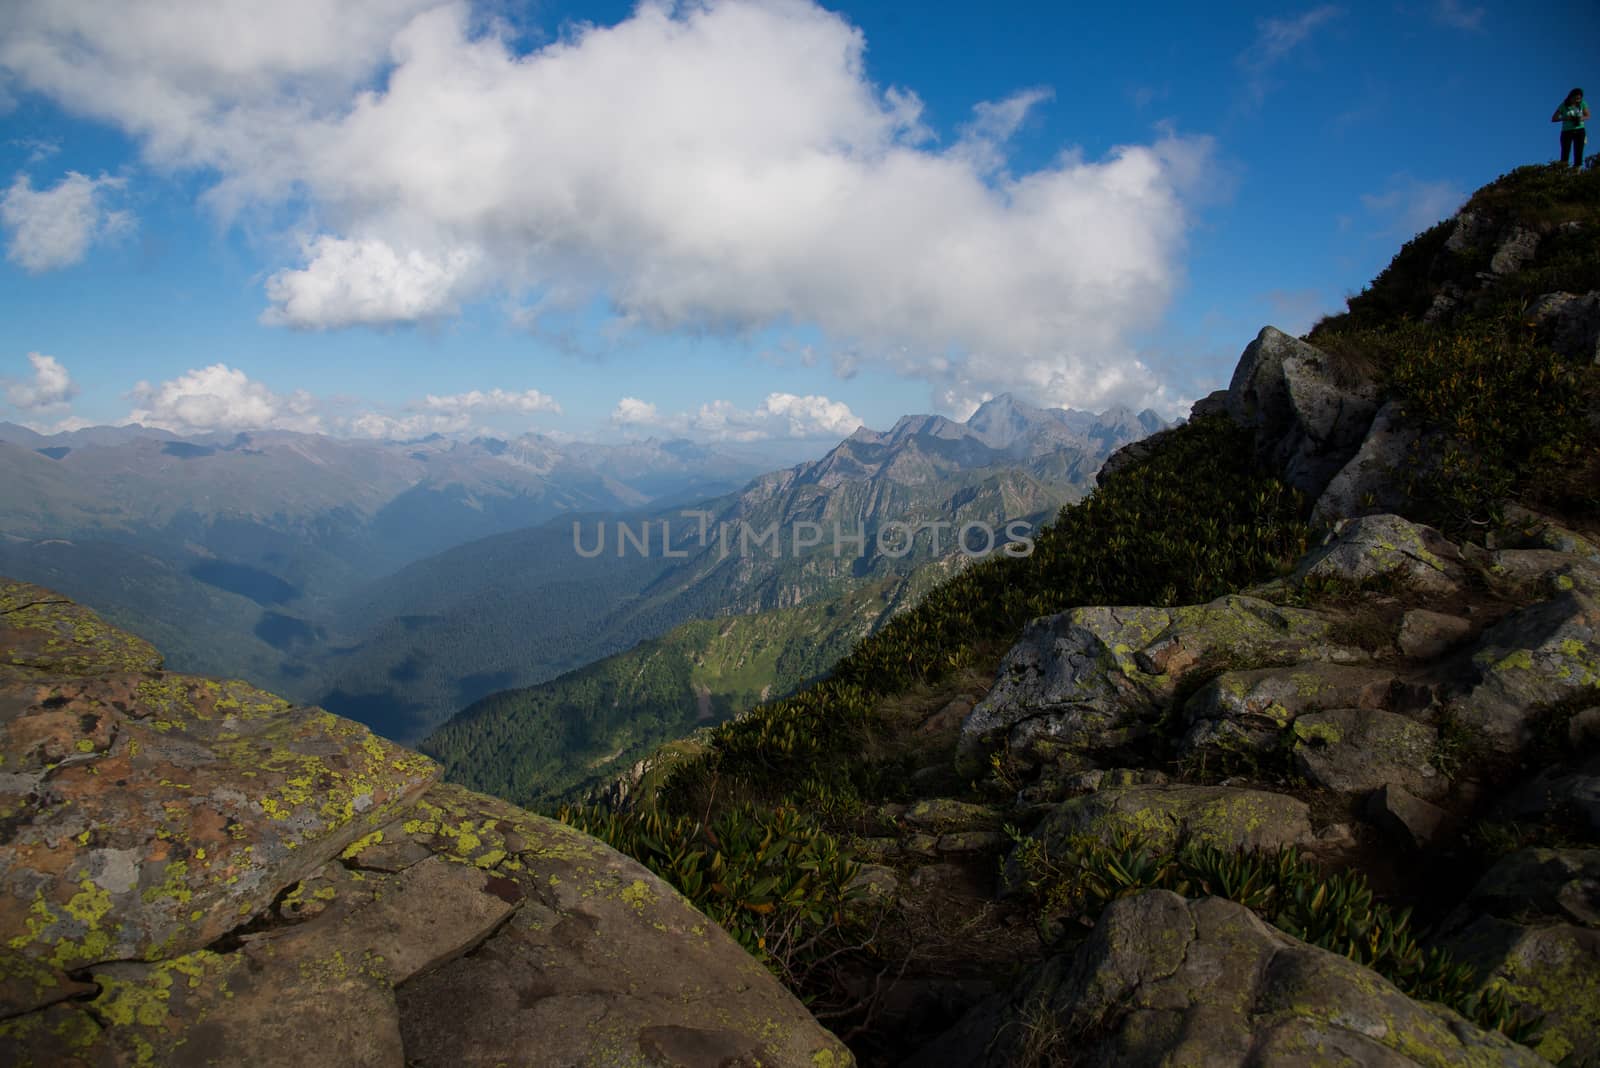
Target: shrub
(1499,412)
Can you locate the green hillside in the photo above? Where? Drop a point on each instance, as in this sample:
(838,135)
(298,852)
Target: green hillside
(544,742)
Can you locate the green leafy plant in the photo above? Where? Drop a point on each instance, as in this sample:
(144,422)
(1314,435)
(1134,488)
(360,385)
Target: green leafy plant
(772,877)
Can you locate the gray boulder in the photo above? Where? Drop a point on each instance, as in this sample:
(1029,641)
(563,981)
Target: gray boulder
(1571,322)
(1527,574)
(1309,419)
(1527,529)
(1425,635)
(1407,817)
(1538,656)
(1224,816)
(1516,250)
(1386,547)
(1164,981)
(1550,971)
(1097,678)
(1358,750)
(198,873)
(1372,479)
(1250,709)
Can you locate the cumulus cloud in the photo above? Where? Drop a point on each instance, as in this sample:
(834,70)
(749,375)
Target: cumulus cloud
(50,387)
(53,228)
(631,411)
(495,400)
(366,282)
(402,427)
(704,165)
(780,415)
(454,413)
(220,397)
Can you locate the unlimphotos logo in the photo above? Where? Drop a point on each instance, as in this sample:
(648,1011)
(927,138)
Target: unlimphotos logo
(895,539)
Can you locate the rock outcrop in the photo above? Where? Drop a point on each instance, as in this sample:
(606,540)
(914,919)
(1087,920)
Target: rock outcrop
(1163,980)
(198,873)
(1383,698)
(1309,417)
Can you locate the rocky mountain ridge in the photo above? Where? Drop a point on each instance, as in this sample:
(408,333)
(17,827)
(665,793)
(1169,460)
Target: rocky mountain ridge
(451,623)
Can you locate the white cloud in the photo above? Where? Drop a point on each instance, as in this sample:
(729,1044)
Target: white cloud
(221,398)
(780,415)
(417,425)
(1410,206)
(53,228)
(496,400)
(1275,39)
(39,149)
(449,414)
(366,282)
(710,164)
(50,387)
(631,411)
(60,426)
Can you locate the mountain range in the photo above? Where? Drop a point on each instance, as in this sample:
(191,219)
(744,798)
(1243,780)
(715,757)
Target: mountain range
(399,581)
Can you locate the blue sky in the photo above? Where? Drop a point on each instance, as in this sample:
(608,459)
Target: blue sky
(754,222)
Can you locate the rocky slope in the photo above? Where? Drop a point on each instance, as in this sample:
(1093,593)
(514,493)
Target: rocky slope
(1346,812)
(1422,711)
(198,873)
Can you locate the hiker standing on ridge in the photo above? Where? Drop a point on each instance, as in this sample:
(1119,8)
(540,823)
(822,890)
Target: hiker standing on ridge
(1572,114)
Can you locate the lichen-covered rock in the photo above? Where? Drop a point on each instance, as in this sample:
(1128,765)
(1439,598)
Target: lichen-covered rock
(1309,419)
(1223,816)
(1358,750)
(42,630)
(1527,529)
(1097,678)
(1551,971)
(943,814)
(27,984)
(1164,981)
(1386,547)
(1248,710)
(601,963)
(197,873)
(148,814)
(1538,656)
(1531,573)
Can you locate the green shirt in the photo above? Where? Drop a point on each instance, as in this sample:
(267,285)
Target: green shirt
(1572,115)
